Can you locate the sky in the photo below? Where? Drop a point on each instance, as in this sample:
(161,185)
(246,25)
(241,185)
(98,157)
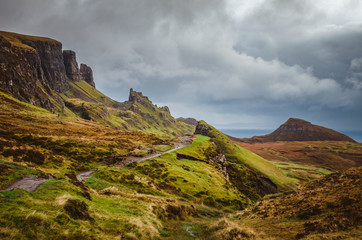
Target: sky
(237,64)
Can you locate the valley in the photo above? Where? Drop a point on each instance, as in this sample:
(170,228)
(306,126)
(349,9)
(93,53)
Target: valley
(76,164)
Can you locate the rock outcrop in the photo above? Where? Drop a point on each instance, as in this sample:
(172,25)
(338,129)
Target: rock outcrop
(219,161)
(166,109)
(299,130)
(51,60)
(203,129)
(36,70)
(190,121)
(21,70)
(137,96)
(87,74)
(71,65)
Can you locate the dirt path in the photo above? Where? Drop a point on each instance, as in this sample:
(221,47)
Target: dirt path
(184,141)
(28,183)
(31,183)
(83,176)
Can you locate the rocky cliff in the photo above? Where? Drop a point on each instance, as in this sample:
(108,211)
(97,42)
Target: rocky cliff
(299,130)
(87,74)
(36,70)
(190,121)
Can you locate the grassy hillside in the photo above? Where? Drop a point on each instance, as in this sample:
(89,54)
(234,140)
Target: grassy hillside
(239,157)
(17,39)
(88,103)
(183,194)
(327,208)
(309,160)
(164,198)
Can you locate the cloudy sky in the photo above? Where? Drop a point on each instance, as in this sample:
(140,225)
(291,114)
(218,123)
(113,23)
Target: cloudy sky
(233,63)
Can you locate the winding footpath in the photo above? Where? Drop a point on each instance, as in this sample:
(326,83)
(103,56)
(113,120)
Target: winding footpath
(184,141)
(31,183)
(28,183)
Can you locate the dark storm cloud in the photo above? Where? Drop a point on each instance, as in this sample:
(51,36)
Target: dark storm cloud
(234,63)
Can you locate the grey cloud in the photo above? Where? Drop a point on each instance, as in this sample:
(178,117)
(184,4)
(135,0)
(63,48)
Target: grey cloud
(278,59)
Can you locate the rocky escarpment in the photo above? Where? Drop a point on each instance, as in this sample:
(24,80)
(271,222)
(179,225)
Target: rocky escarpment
(190,121)
(21,70)
(87,74)
(159,117)
(137,97)
(36,70)
(299,130)
(71,65)
(204,129)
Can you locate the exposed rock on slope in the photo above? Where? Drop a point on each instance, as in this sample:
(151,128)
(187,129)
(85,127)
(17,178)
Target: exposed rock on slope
(71,65)
(190,121)
(300,130)
(37,71)
(87,74)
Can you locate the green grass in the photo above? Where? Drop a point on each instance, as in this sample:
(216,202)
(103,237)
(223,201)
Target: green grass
(238,155)
(201,148)
(17,39)
(87,102)
(301,171)
(7,103)
(14,172)
(194,180)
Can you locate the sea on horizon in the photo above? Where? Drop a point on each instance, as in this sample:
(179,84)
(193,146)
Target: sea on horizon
(247,133)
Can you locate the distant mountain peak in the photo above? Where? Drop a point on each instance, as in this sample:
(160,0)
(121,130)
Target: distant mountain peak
(295,129)
(296,121)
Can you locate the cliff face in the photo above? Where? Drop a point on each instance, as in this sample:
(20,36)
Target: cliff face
(35,69)
(71,65)
(20,72)
(87,74)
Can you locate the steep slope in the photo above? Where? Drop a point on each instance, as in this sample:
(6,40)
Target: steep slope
(327,208)
(300,130)
(253,175)
(37,71)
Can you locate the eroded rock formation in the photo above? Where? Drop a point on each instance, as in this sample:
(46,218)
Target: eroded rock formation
(87,74)
(35,69)
(71,65)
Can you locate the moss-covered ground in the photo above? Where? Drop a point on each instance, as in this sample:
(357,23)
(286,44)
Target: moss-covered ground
(178,195)
(161,198)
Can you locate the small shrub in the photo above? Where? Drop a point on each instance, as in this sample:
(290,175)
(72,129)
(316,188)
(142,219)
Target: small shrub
(77,209)
(62,219)
(34,156)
